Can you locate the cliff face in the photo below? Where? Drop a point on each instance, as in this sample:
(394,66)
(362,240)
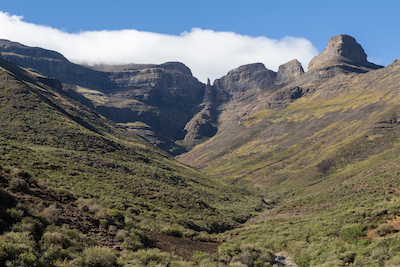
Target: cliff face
(263,130)
(245,78)
(158,85)
(228,91)
(52,64)
(342,55)
(289,72)
(162,97)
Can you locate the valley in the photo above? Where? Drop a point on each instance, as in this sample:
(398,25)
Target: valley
(242,170)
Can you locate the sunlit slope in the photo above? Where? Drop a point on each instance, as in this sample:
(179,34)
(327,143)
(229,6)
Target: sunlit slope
(47,133)
(341,121)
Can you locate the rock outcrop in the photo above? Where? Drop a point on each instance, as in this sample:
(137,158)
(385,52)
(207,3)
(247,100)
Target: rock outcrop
(342,55)
(245,78)
(53,64)
(288,72)
(203,124)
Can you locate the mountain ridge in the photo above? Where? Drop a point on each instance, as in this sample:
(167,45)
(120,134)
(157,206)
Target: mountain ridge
(320,148)
(130,93)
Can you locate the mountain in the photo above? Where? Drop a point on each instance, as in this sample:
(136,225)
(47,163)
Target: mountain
(325,148)
(265,130)
(154,101)
(163,103)
(320,147)
(47,136)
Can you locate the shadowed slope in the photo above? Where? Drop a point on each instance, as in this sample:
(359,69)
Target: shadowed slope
(47,133)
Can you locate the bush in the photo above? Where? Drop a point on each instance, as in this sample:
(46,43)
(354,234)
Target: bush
(99,257)
(51,213)
(29,224)
(16,214)
(253,255)
(56,238)
(325,165)
(23,174)
(204,237)
(143,238)
(118,215)
(151,257)
(348,257)
(172,231)
(352,231)
(384,229)
(17,184)
(122,234)
(393,262)
(17,249)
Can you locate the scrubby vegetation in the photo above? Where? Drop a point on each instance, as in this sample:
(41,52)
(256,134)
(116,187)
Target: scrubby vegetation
(110,186)
(57,140)
(328,191)
(330,161)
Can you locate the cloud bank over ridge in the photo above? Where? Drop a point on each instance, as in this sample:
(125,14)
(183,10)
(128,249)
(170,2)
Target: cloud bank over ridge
(209,54)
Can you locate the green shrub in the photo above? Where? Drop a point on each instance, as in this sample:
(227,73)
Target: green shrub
(348,257)
(352,231)
(142,237)
(203,237)
(203,258)
(99,257)
(23,174)
(151,257)
(118,215)
(51,213)
(394,262)
(55,238)
(172,231)
(16,214)
(31,225)
(112,229)
(384,229)
(17,249)
(252,255)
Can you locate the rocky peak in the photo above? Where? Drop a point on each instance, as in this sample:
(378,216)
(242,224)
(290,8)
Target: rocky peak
(289,72)
(245,78)
(250,70)
(341,49)
(176,66)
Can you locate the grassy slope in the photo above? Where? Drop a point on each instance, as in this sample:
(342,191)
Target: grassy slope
(345,122)
(46,133)
(333,166)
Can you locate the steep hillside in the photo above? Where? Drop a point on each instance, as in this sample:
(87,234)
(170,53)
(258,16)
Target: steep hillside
(154,101)
(326,149)
(55,138)
(279,139)
(163,103)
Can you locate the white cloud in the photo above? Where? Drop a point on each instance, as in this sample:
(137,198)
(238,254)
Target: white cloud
(209,54)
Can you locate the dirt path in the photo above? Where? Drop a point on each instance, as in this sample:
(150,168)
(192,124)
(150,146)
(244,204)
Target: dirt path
(371,234)
(182,246)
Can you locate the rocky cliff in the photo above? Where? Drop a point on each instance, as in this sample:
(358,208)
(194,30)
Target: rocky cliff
(53,64)
(253,89)
(342,55)
(163,98)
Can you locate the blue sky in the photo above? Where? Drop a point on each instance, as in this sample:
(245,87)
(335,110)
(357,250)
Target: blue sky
(375,25)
